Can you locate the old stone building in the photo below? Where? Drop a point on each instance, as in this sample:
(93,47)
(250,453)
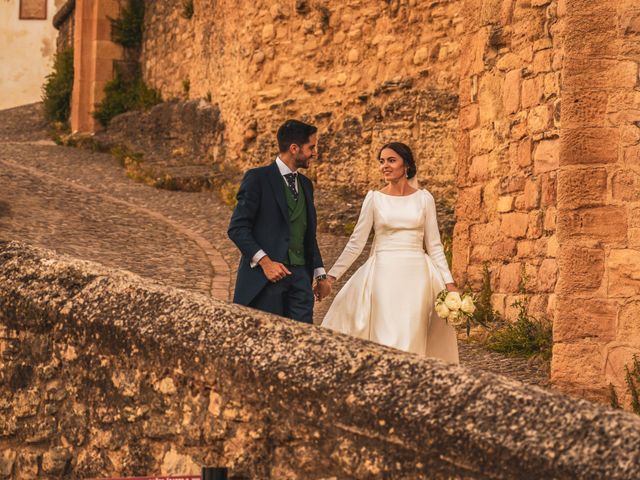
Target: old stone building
(27,47)
(527,111)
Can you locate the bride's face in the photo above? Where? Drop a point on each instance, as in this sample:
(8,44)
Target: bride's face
(391,165)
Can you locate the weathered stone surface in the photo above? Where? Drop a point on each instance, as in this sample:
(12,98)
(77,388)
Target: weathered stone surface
(546,156)
(606,223)
(624,275)
(585,318)
(589,146)
(629,322)
(7,461)
(581,269)
(515,224)
(583,187)
(412,429)
(585,377)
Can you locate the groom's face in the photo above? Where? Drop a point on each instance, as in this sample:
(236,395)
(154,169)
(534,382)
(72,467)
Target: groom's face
(305,153)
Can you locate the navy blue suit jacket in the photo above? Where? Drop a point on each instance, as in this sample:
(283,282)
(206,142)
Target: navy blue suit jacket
(261,221)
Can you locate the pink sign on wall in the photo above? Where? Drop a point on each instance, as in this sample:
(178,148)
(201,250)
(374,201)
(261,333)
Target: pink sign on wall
(183,477)
(33,9)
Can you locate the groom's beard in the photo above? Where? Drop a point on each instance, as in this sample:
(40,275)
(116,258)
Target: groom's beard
(302,161)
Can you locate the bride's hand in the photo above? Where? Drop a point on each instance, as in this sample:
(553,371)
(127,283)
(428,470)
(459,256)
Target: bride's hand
(451,287)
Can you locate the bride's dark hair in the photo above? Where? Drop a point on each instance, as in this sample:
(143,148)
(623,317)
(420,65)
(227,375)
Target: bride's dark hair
(405,153)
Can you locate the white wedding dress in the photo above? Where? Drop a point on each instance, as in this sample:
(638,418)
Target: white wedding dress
(390,298)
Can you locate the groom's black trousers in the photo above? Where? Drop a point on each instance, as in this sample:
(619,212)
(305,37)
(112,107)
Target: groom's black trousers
(291,297)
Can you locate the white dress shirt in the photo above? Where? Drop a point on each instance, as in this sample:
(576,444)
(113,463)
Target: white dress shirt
(284,170)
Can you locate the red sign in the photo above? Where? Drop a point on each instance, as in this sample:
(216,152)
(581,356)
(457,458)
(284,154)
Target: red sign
(188,477)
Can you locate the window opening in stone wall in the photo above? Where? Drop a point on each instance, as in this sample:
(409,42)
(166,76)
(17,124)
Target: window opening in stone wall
(33,9)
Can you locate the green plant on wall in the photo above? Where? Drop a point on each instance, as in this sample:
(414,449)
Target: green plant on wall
(122,95)
(632,380)
(56,91)
(526,337)
(186,87)
(485,315)
(187,9)
(126,30)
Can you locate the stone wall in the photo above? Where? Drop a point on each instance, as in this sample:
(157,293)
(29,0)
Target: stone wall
(64,21)
(597,326)
(104,374)
(509,146)
(364,73)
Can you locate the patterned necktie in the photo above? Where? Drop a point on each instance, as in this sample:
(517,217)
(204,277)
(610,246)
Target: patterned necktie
(291,182)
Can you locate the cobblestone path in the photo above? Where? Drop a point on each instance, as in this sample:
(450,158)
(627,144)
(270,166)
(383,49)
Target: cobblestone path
(81,203)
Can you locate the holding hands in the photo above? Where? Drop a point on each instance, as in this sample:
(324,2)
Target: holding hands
(322,287)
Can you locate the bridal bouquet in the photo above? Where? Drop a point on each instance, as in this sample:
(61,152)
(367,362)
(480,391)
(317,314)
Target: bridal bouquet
(455,309)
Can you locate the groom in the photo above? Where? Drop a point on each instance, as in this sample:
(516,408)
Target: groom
(274,226)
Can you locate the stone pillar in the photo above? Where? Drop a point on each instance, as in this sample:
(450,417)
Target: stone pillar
(95,54)
(597,323)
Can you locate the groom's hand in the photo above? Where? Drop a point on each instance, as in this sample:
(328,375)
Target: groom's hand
(274,271)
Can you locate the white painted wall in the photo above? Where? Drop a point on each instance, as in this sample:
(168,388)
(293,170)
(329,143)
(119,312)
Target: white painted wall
(27,48)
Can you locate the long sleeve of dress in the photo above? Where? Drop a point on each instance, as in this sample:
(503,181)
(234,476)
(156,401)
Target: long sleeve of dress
(358,238)
(432,240)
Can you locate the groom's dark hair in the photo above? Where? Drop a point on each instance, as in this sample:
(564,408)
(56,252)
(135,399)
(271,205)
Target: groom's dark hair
(294,132)
(405,153)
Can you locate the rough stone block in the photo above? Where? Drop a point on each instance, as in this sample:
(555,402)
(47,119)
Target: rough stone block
(589,146)
(469,116)
(547,275)
(524,153)
(542,61)
(532,91)
(510,277)
(534,229)
(584,107)
(581,187)
(468,205)
(482,140)
(549,224)
(577,368)
(548,189)
(511,91)
(623,273)
(599,73)
(7,461)
(479,169)
(633,238)
(581,269)
(531,194)
(580,318)
(514,224)
(504,249)
(540,119)
(626,186)
(490,98)
(505,204)
(608,223)
(546,156)
(629,322)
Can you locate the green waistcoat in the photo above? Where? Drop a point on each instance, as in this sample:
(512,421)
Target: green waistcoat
(297,225)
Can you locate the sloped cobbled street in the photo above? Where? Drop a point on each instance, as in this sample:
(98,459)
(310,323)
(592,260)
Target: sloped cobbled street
(81,203)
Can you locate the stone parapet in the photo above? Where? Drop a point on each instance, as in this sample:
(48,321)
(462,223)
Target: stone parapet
(106,374)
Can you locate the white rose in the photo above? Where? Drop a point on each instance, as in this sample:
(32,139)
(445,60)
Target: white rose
(453,301)
(442,310)
(467,305)
(455,318)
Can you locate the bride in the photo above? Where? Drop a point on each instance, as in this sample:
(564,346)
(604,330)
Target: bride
(390,299)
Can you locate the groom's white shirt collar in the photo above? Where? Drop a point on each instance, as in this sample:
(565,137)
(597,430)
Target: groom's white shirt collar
(283,167)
